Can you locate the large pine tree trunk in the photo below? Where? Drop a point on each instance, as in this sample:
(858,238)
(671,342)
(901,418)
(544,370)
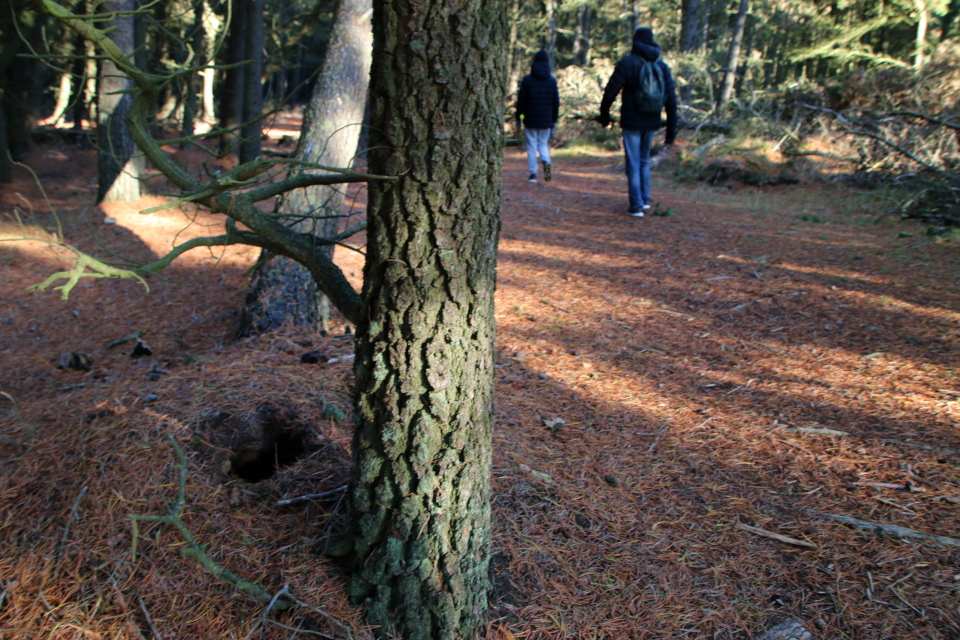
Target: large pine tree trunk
(119,162)
(252,81)
(420,485)
(282,291)
(730,73)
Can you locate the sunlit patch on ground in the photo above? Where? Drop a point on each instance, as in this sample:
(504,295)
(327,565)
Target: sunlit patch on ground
(730,364)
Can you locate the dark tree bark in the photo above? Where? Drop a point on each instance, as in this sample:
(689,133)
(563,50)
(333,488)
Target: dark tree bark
(282,291)
(587,38)
(730,73)
(946,23)
(252,82)
(118,160)
(744,73)
(420,485)
(689,24)
(6,168)
(689,30)
(232,108)
(190,82)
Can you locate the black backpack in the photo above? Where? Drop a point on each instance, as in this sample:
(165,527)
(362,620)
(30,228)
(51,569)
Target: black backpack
(649,95)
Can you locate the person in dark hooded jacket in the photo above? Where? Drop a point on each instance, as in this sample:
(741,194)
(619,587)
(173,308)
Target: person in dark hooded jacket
(639,126)
(538,106)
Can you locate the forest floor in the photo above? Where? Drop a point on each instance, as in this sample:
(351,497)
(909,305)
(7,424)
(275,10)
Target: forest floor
(759,359)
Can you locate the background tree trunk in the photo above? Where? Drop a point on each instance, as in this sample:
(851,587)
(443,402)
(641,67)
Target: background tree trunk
(921,32)
(689,30)
(730,73)
(420,484)
(6,169)
(232,107)
(119,162)
(190,104)
(252,81)
(551,44)
(282,291)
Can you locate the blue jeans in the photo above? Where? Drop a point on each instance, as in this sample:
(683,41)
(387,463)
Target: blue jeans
(536,141)
(636,148)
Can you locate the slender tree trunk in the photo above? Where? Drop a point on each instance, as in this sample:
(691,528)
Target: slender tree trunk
(190,102)
(232,109)
(689,24)
(953,10)
(551,15)
(282,291)
(689,30)
(79,75)
(516,61)
(704,37)
(744,72)
(921,33)
(63,100)
(253,82)
(90,88)
(587,39)
(211,26)
(420,485)
(119,161)
(577,36)
(6,168)
(141,56)
(730,74)
(635,14)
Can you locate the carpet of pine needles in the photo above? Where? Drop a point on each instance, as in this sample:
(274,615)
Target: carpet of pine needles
(701,363)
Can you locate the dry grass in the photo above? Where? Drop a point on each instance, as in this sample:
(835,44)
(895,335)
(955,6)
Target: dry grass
(683,353)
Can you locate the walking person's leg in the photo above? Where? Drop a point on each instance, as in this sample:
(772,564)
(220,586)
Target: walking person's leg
(645,143)
(544,149)
(530,141)
(631,151)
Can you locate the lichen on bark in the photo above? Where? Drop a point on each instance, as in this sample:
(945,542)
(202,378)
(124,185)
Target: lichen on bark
(420,491)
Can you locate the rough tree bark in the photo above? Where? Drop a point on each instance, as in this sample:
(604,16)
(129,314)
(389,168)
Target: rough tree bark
(252,81)
(730,73)
(119,162)
(282,291)
(420,486)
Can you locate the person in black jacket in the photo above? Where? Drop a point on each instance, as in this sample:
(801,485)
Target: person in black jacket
(639,126)
(538,106)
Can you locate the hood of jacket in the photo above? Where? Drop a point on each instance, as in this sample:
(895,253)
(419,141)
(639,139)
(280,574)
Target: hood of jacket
(646,51)
(541,65)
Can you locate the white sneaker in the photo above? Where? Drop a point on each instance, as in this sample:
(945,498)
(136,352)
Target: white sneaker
(646,207)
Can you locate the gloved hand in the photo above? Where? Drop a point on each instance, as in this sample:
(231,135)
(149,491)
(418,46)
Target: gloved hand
(604,120)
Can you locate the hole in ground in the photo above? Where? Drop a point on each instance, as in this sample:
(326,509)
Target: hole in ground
(281,443)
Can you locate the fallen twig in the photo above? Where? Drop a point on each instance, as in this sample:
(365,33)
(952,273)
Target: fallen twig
(312,496)
(880,485)
(775,536)
(819,432)
(891,530)
(146,614)
(66,527)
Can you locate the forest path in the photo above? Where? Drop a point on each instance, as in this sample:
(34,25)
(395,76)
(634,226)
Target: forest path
(703,365)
